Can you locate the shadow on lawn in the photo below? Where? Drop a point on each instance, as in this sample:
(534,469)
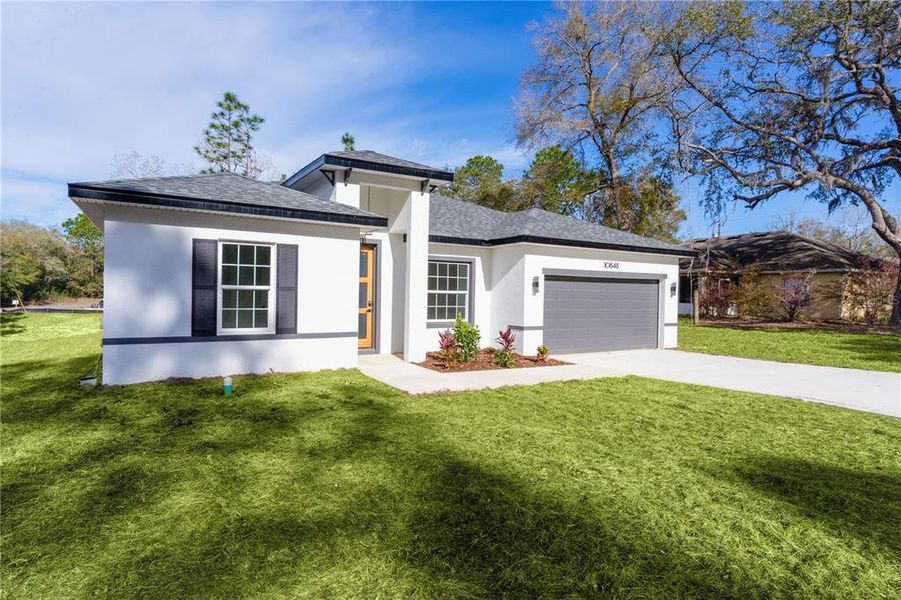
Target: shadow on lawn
(865,505)
(884,348)
(173,490)
(10,324)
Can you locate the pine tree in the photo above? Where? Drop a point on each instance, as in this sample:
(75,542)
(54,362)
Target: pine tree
(348,141)
(227,143)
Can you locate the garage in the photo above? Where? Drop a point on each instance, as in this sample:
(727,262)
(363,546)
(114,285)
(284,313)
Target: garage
(594,314)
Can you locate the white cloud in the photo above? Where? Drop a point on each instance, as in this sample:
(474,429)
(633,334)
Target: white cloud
(82,82)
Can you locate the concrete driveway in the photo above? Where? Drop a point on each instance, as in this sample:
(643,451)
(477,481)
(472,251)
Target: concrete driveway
(870,391)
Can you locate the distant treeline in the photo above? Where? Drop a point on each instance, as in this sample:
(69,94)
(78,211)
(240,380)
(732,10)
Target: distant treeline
(38,264)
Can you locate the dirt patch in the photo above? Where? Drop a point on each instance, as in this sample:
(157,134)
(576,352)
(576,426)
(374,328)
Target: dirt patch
(485,361)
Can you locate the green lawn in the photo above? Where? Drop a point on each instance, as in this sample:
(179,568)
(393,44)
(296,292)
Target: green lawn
(871,351)
(332,485)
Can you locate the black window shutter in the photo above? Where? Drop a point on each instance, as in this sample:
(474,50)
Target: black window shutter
(203,295)
(286,289)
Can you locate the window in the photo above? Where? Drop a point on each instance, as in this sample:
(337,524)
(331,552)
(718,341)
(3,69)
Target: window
(245,288)
(448,290)
(684,289)
(797,289)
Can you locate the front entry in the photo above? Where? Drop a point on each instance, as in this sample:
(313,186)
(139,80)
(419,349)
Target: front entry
(365,320)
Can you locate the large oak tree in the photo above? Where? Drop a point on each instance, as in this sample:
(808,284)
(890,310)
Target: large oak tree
(774,98)
(598,92)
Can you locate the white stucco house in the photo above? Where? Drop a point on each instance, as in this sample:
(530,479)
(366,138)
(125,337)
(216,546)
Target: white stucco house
(209,275)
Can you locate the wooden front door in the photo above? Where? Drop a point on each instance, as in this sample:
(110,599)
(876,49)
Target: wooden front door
(366,296)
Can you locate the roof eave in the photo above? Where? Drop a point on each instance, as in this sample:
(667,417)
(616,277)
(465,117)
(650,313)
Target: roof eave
(530,239)
(328,160)
(77,190)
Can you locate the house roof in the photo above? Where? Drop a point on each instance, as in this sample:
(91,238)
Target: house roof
(224,192)
(772,251)
(370,160)
(457,221)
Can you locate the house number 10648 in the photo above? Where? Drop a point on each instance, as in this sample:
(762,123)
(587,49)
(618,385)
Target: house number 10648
(611,265)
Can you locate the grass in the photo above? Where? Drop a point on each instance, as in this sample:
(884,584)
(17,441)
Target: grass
(870,351)
(332,485)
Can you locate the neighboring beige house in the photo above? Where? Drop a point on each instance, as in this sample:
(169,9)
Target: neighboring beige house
(779,257)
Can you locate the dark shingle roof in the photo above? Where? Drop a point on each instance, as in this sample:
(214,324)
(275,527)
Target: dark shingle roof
(227,192)
(772,251)
(451,219)
(371,161)
(378,157)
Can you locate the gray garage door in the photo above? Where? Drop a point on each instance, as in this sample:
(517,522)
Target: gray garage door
(583,314)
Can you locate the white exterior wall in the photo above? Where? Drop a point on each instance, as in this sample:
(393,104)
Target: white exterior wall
(416,215)
(539,257)
(508,291)
(148,288)
(503,285)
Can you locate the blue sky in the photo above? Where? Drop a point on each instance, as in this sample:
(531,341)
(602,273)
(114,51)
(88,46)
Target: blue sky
(431,82)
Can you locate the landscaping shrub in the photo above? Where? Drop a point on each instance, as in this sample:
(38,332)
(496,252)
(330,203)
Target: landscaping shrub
(504,356)
(467,338)
(717,297)
(869,293)
(448,346)
(541,353)
(753,297)
(792,297)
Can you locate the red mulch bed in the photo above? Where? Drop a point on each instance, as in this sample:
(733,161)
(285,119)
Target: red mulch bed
(485,361)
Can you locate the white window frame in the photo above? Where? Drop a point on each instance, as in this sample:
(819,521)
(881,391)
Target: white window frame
(467,293)
(270,328)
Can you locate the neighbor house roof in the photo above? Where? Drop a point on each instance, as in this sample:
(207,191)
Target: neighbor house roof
(224,192)
(370,161)
(460,222)
(772,252)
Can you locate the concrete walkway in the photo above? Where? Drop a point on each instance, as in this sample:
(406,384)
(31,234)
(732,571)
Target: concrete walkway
(870,391)
(414,379)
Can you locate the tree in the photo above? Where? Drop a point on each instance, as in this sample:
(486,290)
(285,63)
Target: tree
(40,262)
(790,96)
(753,296)
(794,293)
(717,297)
(86,274)
(869,291)
(598,92)
(133,165)
(35,261)
(227,142)
(651,206)
(348,141)
(556,181)
(481,181)
(81,233)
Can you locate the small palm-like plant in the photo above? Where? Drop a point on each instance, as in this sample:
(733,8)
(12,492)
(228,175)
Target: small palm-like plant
(504,356)
(542,352)
(448,346)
